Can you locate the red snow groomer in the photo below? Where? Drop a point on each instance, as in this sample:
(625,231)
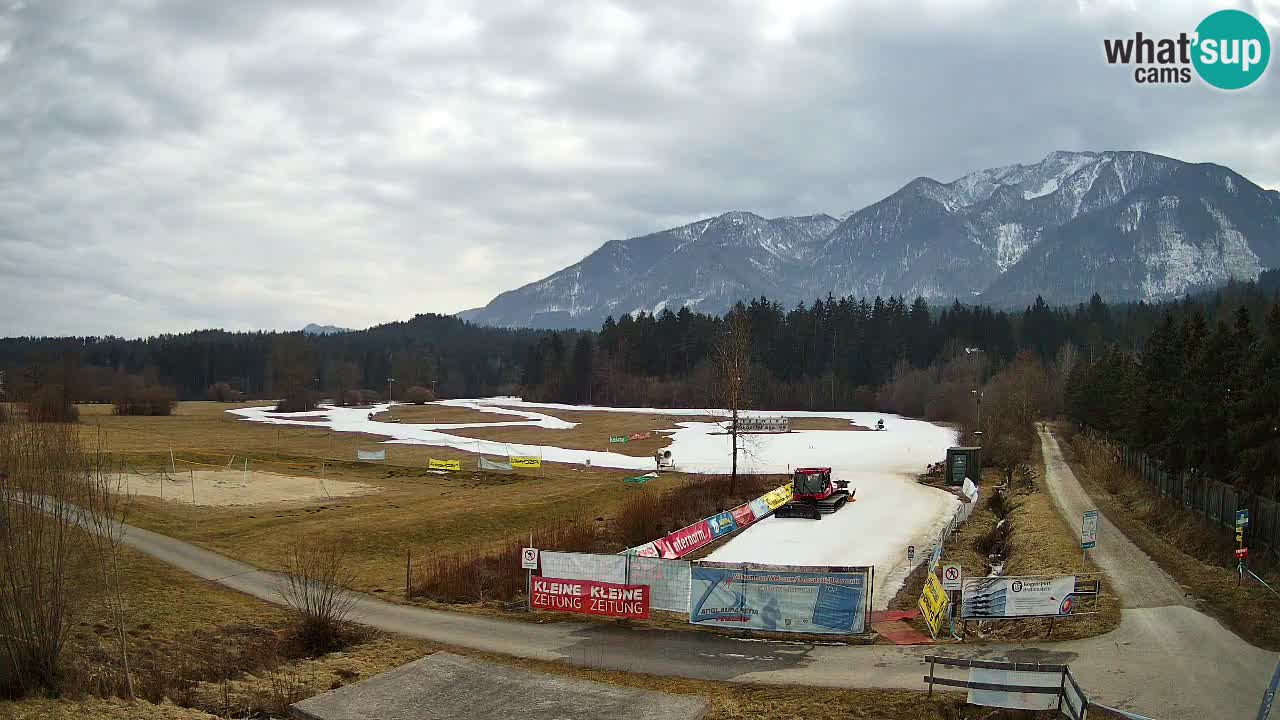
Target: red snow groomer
(815,494)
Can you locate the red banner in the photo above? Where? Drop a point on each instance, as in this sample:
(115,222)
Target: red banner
(743,516)
(686,540)
(590,598)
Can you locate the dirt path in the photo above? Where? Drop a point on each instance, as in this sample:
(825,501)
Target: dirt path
(1136,578)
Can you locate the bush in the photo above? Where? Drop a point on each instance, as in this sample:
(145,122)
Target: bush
(316,590)
(300,401)
(418,395)
(132,397)
(223,392)
(49,403)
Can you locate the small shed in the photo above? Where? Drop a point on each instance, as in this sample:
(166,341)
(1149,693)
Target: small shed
(963,462)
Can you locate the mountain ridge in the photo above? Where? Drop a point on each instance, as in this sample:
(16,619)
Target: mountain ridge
(1129,224)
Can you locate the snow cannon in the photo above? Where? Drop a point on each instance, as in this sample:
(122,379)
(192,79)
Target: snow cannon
(814,494)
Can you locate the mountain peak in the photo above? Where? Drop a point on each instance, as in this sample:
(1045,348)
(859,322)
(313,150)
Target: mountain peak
(1127,224)
(314,329)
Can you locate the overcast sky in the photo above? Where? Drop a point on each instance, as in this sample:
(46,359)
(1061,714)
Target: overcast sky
(244,164)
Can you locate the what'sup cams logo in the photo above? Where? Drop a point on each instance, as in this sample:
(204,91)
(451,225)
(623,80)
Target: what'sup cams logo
(1229,50)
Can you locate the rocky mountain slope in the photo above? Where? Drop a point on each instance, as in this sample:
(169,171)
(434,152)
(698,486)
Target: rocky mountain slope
(1128,225)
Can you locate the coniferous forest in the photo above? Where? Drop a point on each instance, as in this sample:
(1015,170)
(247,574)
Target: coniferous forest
(1194,383)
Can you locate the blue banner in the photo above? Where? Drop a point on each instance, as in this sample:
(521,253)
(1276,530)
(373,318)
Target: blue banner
(780,598)
(722,524)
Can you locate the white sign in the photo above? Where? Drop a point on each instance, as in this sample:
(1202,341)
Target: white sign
(371,455)
(529,559)
(1013,699)
(951,576)
(1008,597)
(1089,530)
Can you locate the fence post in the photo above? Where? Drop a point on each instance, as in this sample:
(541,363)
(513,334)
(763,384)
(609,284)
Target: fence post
(408,565)
(930,676)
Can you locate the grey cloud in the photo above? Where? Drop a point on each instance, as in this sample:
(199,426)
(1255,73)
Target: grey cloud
(243,164)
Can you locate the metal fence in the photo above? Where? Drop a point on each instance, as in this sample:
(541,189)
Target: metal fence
(1217,502)
(668,580)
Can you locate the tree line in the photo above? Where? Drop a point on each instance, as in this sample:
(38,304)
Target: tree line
(1202,395)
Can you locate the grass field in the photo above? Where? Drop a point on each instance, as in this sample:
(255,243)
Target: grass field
(412,510)
(181,624)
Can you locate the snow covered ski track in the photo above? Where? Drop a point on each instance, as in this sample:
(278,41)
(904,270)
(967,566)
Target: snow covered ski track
(890,511)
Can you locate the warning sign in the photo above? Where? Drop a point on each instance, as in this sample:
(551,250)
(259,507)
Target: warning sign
(529,559)
(933,600)
(952,576)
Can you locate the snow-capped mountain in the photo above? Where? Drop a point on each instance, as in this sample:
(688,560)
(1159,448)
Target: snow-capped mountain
(1128,225)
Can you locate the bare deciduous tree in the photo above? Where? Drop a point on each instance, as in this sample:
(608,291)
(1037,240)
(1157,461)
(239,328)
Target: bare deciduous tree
(732,357)
(315,587)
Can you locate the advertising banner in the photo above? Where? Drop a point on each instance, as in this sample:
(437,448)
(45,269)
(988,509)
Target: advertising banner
(686,540)
(760,508)
(933,601)
(526,461)
(1014,597)
(640,436)
(435,464)
(591,598)
(743,515)
(722,524)
(778,497)
(617,438)
(367,455)
(780,598)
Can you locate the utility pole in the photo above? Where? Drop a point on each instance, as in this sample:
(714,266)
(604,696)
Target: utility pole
(389,381)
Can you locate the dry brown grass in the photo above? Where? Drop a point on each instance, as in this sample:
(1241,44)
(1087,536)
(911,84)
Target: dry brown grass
(592,432)
(431,413)
(110,709)
(1039,543)
(414,510)
(819,423)
(1173,537)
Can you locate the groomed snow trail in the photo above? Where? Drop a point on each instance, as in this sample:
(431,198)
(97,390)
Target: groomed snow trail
(890,512)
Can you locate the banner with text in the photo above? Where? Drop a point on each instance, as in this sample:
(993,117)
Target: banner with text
(371,455)
(687,539)
(435,464)
(590,598)
(778,497)
(780,598)
(1017,597)
(526,461)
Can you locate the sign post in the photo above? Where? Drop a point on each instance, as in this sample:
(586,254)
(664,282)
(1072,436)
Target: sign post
(1088,535)
(1242,552)
(529,561)
(911,553)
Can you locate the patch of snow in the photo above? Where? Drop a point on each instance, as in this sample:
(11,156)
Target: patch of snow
(1011,245)
(1049,186)
(890,510)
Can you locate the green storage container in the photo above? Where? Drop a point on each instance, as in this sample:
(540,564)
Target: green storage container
(964,462)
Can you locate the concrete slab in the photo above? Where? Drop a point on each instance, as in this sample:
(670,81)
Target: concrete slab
(449,687)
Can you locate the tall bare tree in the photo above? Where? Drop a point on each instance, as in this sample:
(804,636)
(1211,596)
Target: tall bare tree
(732,358)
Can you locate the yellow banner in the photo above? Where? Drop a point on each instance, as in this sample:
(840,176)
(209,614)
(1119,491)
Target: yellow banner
(933,600)
(435,464)
(778,497)
(530,461)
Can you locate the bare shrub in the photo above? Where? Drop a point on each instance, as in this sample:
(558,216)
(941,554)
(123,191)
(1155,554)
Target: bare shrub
(316,582)
(53,500)
(223,392)
(50,403)
(131,396)
(418,395)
